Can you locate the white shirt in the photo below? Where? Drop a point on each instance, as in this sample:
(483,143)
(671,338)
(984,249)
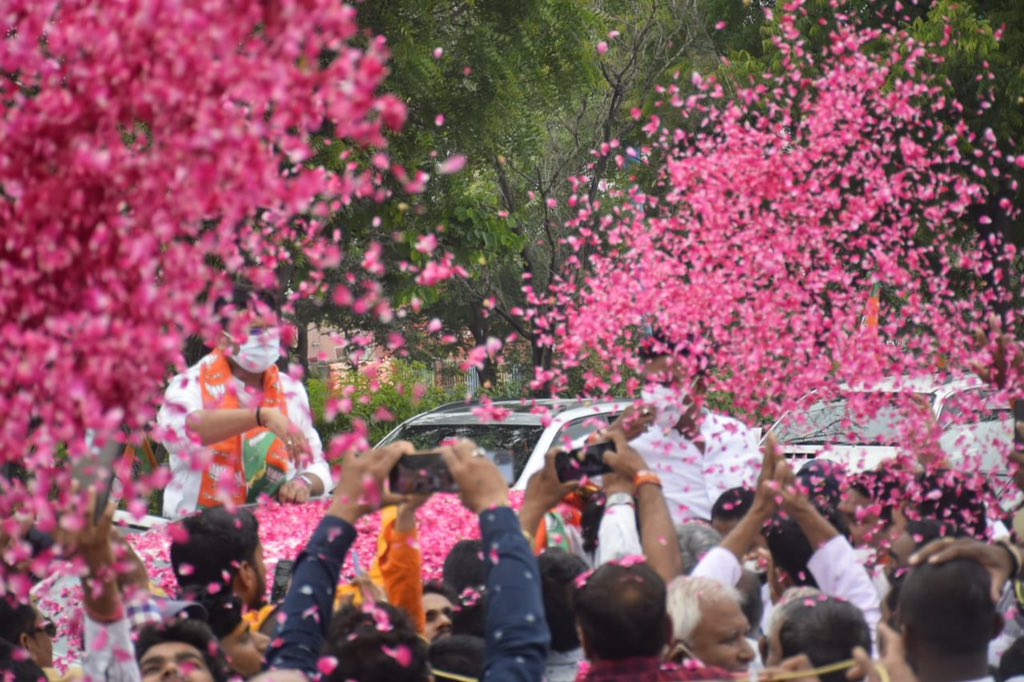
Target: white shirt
(109,652)
(834,566)
(617,536)
(184,396)
(564,666)
(693,482)
(838,572)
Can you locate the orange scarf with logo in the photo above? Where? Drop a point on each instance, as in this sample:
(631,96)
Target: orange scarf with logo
(219,393)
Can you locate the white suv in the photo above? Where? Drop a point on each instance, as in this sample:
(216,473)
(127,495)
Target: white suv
(976,428)
(531,429)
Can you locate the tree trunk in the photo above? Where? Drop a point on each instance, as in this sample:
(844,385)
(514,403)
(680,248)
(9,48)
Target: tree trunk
(480,327)
(301,354)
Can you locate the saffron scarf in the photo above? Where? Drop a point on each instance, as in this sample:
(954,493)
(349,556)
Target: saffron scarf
(245,466)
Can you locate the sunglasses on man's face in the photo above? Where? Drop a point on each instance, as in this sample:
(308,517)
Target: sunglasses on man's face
(48,627)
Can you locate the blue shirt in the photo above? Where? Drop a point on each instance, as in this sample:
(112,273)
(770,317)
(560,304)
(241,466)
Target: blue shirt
(517,632)
(310,600)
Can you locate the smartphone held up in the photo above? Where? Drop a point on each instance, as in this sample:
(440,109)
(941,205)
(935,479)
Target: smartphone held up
(421,473)
(586,461)
(425,472)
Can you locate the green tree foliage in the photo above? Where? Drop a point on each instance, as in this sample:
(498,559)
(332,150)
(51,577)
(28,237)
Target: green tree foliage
(380,404)
(526,95)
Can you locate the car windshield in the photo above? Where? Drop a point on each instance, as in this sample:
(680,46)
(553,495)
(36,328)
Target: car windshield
(859,418)
(519,439)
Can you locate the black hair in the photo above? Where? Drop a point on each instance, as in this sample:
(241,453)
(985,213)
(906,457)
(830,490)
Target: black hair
(465,572)
(17,666)
(218,542)
(823,480)
(243,295)
(438,587)
(733,504)
(558,571)
(928,530)
(657,344)
(948,607)
(463,655)
(1012,662)
(790,548)
(892,600)
(223,611)
(362,648)
(195,633)
(469,615)
(621,611)
(590,520)
(882,487)
(826,630)
(752,605)
(464,566)
(959,501)
(16,620)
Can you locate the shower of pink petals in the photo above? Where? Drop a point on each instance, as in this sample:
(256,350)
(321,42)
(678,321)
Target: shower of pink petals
(149,155)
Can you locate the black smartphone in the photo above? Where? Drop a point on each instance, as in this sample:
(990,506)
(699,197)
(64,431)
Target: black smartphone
(587,461)
(421,473)
(96,469)
(282,578)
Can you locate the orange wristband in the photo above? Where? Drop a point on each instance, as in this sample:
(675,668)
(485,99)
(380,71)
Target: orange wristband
(645,477)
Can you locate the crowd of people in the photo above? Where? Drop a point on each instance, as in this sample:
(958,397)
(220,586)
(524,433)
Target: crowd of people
(693,557)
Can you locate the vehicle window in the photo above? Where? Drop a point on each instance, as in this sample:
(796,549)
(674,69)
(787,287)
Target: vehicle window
(579,428)
(519,439)
(973,406)
(858,418)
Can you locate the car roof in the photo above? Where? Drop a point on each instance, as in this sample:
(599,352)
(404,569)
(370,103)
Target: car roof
(944,384)
(521,412)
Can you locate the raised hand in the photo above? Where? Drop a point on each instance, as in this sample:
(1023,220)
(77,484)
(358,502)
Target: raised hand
(893,666)
(633,421)
(481,484)
(624,460)
(996,559)
(360,489)
(543,491)
(294,440)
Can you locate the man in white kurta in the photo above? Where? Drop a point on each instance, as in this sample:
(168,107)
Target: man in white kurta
(697,454)
(692,480)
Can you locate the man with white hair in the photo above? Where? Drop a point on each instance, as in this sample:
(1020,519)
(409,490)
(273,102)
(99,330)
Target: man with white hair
(708,624)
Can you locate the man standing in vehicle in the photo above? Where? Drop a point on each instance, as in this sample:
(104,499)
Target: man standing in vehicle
(234,425)
(698,454)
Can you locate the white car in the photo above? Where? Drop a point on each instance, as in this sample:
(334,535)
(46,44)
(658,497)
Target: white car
(976,427)
(531,429)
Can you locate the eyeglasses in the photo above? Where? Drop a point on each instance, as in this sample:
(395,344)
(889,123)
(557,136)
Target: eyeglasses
(48,627)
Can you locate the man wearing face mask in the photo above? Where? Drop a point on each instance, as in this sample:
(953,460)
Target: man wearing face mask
(697,453)
(237,428)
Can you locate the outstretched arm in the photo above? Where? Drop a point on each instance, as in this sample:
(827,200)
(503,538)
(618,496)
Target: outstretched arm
(308,605)
(657,532)
(517,631)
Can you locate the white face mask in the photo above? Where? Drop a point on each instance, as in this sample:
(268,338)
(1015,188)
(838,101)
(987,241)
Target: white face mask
(667,402)
(259,351)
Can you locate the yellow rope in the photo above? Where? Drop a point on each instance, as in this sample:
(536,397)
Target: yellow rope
(773,677)
(451,676)
(797,674)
